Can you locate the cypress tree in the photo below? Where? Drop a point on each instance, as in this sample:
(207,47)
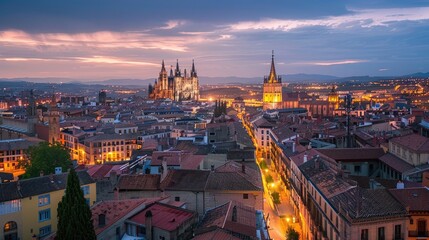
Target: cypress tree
(74,215)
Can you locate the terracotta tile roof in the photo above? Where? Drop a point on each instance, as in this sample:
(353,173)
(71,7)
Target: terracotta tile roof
(283,132)
(173,158)
(413,142)
(243,223)
(358,203)
(138,182)
(114,210)
(230,176)
(417,199)
(165,217)
(216,233)
(39,185)
(353,154)
(396,163)
(185,180)
(150,144)
(262,122)
(192,161)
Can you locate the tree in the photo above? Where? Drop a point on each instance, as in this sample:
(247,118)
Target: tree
(74,215)
(45,158)
(292,234)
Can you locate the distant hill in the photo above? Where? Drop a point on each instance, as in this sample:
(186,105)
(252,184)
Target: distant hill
(286,78)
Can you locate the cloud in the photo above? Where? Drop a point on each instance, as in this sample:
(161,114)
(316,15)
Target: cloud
(173,24)
(357,18)
(331,63)
(383,69)
(113,60)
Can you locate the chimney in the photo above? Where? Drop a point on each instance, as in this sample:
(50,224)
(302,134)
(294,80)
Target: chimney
(305,157)
(293,147)
(317,162)
(41,173)
(400,185)
(234,214)
(212,168)
(148,225)
(164,169)
(243,168)
(101,220)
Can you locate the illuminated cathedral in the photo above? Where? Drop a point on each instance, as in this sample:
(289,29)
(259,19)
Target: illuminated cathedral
(176,86)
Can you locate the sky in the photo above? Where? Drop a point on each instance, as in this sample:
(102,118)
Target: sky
(105,39)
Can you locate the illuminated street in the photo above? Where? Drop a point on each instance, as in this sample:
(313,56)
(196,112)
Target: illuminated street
(279,216)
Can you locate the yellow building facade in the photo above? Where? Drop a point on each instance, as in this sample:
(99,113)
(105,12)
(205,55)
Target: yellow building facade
(28,208)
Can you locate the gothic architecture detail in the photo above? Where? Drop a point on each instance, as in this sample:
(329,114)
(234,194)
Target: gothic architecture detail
(176,86)
(272,96)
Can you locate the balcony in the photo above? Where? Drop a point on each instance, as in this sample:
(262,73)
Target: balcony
(418,233)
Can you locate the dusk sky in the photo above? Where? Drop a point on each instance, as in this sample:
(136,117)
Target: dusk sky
(129,38)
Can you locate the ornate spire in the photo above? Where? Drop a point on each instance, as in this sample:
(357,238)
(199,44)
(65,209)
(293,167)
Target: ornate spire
(193,72)
(272,78)
(163,66)
(177,72)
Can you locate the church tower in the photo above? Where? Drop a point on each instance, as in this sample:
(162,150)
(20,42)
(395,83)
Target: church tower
(333,100)
(54,121)
(272,89)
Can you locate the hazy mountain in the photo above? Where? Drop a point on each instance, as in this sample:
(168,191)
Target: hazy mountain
(286,78)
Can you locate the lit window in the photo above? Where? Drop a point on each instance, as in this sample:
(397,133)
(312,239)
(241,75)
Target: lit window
(44,200)
(45,215)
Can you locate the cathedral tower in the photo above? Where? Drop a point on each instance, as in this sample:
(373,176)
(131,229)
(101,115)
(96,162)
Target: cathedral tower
(272,95)
(54,121)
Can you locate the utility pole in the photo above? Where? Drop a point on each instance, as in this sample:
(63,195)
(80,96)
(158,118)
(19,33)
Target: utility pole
(348,106)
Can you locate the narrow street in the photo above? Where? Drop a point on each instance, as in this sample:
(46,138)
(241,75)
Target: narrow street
(280,216)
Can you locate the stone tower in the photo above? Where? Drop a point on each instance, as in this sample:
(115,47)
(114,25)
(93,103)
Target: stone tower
(272,94)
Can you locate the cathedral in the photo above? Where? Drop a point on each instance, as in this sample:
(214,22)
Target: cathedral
(272,95)
(176,86)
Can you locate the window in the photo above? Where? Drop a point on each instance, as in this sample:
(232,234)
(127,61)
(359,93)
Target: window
(177,199)
(381,233)
(262,131)
(44,200)
(44,215)
(212,134)
(85,190)
(398,231)
(44,231)
(364,234)
(357,168)
(245,196)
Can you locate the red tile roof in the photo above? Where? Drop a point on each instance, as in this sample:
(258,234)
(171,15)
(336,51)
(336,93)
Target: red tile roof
(138,182)
(413,142)
(415,198)
(114,210)
(164,216)
(353,154)
(396,163)
(218,234)
(222,217)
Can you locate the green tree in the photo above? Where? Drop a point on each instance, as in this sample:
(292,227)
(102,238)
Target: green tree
(292,234)
(74,215)
(45,157)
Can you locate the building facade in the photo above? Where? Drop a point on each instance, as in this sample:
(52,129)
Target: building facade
(176,86)
(28,208)
(272,89)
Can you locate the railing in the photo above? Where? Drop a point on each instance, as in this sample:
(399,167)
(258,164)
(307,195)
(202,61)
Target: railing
(418,233)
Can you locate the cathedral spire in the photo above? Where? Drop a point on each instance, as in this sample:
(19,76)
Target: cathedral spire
(163,66)
(193,72)
(177,73)
(272,78)
(171,71)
